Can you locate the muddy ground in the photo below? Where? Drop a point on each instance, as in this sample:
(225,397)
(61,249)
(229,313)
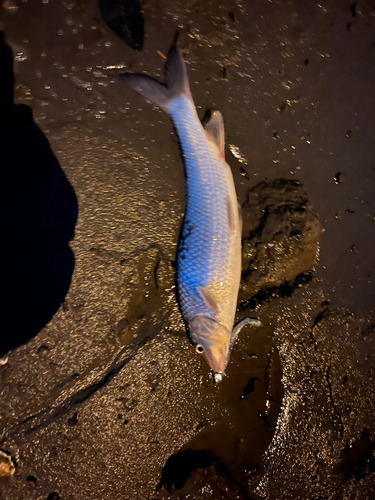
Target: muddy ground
(109,399)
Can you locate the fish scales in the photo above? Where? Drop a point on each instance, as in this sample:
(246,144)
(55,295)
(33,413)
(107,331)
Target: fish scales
(204,255)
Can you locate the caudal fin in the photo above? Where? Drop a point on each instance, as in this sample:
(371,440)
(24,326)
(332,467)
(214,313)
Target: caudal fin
(176,81)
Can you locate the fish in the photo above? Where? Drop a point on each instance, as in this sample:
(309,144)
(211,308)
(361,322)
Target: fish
(208,260)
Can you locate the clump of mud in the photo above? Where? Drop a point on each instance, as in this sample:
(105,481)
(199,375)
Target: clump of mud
(281,232)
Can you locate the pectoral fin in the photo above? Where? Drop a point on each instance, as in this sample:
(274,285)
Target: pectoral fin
(209,299)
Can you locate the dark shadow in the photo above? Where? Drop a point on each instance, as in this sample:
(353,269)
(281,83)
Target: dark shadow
(179,467)
(125,19)
(39,215)
(197,473)
(357,459)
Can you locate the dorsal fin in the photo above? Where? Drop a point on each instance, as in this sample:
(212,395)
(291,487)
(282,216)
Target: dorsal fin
(215,130)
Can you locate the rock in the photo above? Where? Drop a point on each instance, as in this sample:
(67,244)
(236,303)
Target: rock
(280,235)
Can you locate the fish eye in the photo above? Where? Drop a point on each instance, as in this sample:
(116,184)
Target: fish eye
(199,349)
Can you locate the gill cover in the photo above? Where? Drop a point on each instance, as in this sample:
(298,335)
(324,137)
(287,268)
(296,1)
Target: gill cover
(214,339)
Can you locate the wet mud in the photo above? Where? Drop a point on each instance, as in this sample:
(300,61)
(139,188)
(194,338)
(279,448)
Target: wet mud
(280,239)
(103,396)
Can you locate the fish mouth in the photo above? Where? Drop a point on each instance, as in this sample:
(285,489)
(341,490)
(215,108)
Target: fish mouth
(217,361)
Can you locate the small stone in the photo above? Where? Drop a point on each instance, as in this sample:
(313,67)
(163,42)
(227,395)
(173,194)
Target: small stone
(42,350)
(7,466)
(3,361)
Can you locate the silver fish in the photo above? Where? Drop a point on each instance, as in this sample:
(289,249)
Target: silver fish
(209,252)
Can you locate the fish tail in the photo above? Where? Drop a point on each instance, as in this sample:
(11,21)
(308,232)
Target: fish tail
(176,81)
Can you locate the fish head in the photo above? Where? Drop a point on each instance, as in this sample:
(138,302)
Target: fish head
(212,340)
